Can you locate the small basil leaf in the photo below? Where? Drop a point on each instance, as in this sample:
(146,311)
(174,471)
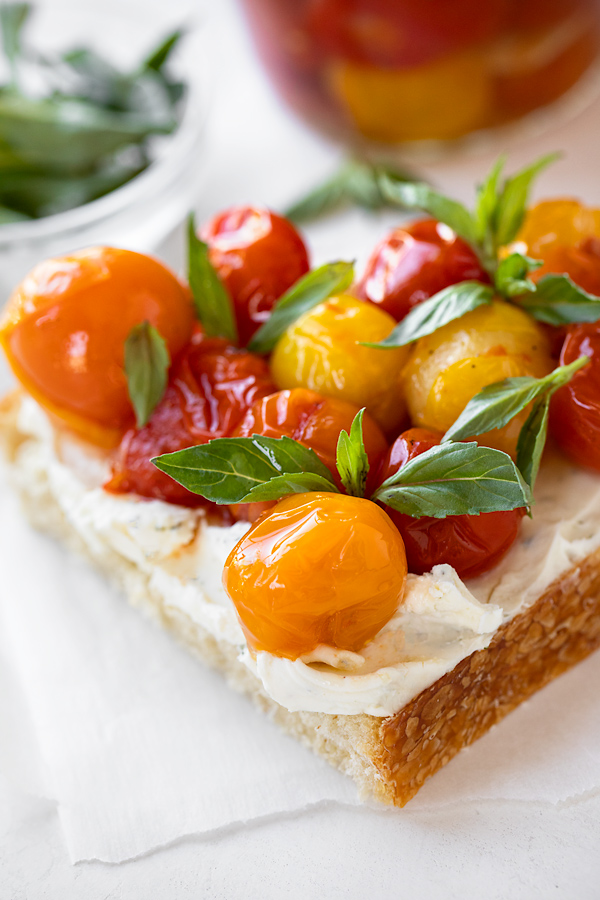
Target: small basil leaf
(485,206)
(146,367)
(12,19)
(446,306)
(495,405)
(310,290)
(213,304)
(356,182)
(532,440)
(559,301)
(455,480)
(238,470)
(157,58)
(512,202)
(418,195)
(351,458)
(511,275)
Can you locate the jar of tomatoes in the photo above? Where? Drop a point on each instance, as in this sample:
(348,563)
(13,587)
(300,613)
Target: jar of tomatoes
(396,71)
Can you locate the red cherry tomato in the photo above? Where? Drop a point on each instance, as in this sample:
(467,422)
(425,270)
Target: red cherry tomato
(472,544)
(575,409)
(211,386)
(314,421)
(401,33)
(413,263)
(258,256)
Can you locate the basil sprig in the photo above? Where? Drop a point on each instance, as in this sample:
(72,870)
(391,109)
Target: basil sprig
(557,300)
(447,305)
(357,182)
(213,304)
(310,290)
(496,404)
(146,366)
(532,439)
(452,479)
(247,469)
(351,458)
(455,479)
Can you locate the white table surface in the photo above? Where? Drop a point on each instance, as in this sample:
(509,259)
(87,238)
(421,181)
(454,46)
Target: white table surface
(258,152)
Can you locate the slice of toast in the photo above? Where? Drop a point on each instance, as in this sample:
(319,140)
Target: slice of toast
(388,758)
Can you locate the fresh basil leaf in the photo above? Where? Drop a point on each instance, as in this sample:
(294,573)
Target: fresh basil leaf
(310,290)
(157,58)
(242,470)
(356,182)
(351,458)
(511,275)
(559,301)
(12,19)
(532,440)
(454,480)
(444,307)
(495,405)
(8,216)
(485,207)
(512,203)
(418,195)
(146,366)
(213,304)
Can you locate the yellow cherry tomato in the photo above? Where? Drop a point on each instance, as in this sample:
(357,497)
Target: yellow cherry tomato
(439,100)
(449,367)
(554,224)
(321,351)
(317,569)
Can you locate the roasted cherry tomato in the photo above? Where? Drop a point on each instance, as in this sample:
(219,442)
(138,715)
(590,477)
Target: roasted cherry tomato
(65,327)
(314,421)
(321,351)
(575,409)
(471,544)
(317,569)
(211,386)
(414,263)
(258,256)
(565,234)
(447,368)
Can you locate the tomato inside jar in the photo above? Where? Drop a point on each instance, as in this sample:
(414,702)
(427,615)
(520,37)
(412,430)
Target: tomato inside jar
(320,568)
(471,544)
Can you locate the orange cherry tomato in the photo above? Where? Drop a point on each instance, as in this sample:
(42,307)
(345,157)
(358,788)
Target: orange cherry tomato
(65,327)
(258,256)
(575,408)
(413,263)
(314,421)
(471,544)
(210,388)
(319,568)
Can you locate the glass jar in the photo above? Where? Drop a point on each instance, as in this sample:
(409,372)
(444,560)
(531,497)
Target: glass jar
(396,71)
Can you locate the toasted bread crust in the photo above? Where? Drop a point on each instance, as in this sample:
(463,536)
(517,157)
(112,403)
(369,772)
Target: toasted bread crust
(391,758)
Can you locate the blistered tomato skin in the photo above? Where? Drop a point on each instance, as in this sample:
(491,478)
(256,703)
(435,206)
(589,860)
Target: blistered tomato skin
(414,263)
(65,327)
(575,408)
(210,388)
(258,256)
(319,568)
(471,544)
(446,369)
(565,234)
(321,351)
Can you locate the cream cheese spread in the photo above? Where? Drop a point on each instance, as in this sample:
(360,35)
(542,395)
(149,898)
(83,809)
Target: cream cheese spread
(440,622)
